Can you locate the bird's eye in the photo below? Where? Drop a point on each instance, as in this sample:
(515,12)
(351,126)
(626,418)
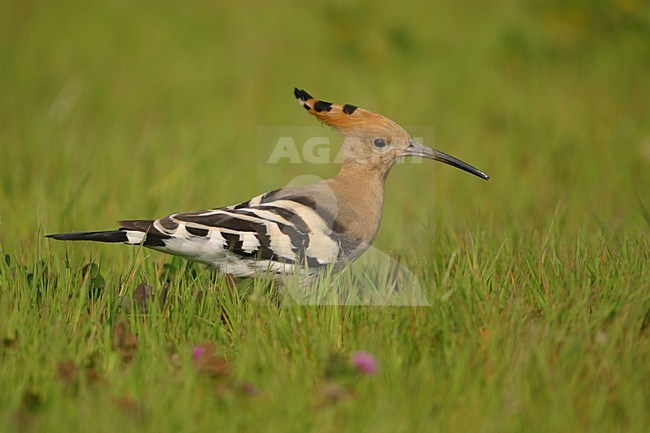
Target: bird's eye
(379,142)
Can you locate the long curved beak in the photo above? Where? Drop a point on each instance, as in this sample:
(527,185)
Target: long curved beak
(416,149)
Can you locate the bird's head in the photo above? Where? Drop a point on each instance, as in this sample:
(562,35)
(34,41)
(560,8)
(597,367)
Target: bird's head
(371,139)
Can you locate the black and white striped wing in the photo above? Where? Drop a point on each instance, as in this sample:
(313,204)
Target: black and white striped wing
(275,235)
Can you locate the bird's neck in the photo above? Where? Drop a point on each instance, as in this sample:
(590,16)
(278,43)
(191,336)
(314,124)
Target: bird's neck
(362,191)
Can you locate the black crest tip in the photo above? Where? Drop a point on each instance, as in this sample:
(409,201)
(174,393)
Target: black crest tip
(322,105)
(301,94)
(349,108)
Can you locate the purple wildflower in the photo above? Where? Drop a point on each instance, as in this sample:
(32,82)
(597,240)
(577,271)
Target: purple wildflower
(248,388)
(364,363)
(197,352)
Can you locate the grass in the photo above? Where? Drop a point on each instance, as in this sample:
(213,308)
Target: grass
(538,280)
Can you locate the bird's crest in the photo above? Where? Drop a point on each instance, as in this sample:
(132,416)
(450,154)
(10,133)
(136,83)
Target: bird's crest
(345,118)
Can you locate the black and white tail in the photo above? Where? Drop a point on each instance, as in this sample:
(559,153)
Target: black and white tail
(106,236)
(131,232)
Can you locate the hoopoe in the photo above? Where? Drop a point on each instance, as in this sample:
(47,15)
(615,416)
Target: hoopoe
(303,229)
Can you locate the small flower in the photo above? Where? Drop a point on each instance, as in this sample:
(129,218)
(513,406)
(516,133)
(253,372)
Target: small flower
(208,361)
(197,352)
(364,363)
(248,388)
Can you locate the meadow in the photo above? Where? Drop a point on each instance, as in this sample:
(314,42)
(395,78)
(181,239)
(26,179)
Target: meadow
(537,282)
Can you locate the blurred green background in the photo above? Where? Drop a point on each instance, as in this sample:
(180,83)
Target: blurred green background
(538,278)
(118,109)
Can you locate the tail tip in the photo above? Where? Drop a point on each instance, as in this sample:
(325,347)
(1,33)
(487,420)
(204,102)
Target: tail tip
(101,236)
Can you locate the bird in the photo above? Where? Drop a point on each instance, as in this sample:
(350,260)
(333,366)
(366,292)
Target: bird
(302,229)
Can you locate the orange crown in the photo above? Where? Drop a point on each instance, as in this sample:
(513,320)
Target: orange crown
(345,117)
